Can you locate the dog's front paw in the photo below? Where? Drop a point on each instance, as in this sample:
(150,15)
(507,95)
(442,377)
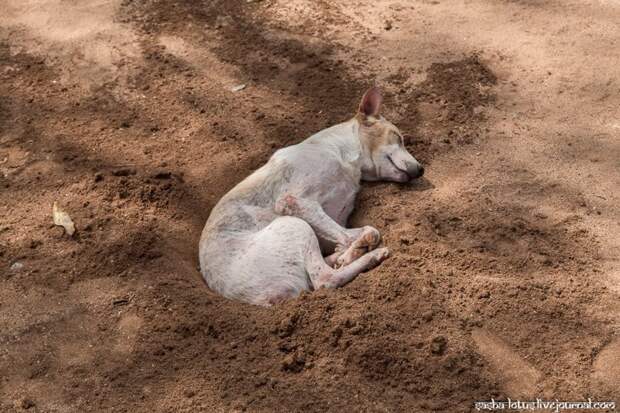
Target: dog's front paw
(380,254)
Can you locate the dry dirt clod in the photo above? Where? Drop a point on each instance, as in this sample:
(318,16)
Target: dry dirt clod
(26,403)
(61,218)
(162,174)
(438,345)
(406,239)
(293,363)
(124,172)
(428,316)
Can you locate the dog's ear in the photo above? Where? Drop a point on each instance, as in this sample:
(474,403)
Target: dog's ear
(371,102)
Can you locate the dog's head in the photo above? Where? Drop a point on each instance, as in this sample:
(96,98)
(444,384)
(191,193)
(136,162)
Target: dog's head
(383,148)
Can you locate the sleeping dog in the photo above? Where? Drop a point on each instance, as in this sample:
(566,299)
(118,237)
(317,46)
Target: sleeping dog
(282,230)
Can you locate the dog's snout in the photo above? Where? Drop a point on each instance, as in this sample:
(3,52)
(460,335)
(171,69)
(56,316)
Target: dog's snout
(416,172)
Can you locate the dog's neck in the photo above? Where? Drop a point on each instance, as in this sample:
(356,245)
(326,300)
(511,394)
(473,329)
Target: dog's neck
(345,140)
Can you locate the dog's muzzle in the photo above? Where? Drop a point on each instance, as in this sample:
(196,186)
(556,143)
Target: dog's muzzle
(415,172)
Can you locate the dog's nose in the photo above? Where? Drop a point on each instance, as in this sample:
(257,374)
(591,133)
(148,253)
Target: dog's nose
(417,172)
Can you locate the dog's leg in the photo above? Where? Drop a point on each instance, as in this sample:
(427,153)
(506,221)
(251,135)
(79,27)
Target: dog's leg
(367,241)
(332,259)
(322,275)
(312,212)
(350,243)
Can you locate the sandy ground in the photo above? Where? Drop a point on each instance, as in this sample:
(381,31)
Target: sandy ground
(505,274)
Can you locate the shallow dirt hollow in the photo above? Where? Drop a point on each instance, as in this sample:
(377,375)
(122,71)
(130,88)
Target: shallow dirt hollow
(504,276)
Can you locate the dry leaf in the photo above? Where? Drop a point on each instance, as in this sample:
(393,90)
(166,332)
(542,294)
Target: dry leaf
(237,88)
(63,219)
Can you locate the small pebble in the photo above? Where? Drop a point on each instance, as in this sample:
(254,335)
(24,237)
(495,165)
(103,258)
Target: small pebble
(237,88)
(293,363)
(16,266)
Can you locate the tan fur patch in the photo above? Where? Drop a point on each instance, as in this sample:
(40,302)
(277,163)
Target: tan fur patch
(376,132)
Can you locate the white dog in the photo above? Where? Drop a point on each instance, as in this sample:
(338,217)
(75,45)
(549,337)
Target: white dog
(264,241)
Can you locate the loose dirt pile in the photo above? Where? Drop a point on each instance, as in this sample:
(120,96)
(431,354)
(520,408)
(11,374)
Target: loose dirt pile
(498,281)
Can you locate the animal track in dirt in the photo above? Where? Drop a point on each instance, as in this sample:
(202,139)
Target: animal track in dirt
(518,377)
(607,368)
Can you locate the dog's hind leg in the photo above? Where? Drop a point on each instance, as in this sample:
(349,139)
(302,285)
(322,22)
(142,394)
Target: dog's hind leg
(322,275)
(332,259)
(368,240)
(285,258)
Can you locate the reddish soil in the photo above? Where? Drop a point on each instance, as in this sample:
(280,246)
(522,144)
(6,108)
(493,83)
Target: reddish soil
(504,276)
